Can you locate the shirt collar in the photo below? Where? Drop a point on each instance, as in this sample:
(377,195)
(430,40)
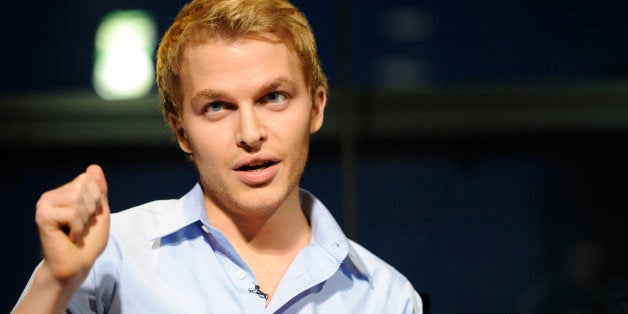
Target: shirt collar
(325,230)
(328,234)
(185,211)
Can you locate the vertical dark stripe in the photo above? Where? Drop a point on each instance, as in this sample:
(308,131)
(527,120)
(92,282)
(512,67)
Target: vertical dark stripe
(347,112)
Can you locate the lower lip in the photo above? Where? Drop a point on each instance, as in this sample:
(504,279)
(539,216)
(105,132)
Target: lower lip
(258,177)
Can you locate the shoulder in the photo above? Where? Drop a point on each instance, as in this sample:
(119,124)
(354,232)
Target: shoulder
(159,217)
(133,230)
(132,233)
(378,269)
(140,218)
(386,280)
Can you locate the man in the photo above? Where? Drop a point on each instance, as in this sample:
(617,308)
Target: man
(242,88)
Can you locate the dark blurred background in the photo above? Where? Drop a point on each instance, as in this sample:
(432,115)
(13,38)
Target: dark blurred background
(477,146)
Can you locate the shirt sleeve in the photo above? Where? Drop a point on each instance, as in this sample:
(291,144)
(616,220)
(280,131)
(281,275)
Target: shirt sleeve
(97,292)
(411,302)
(83,301)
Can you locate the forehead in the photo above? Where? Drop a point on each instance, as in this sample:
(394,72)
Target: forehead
(237,64)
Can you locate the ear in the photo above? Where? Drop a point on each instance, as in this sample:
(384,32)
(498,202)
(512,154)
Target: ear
(318,109)
(177,127)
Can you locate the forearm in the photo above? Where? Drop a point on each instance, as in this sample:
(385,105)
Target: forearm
(45,294)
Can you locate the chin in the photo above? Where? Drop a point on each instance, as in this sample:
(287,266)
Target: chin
(263,200)
(250,201)
(234,197)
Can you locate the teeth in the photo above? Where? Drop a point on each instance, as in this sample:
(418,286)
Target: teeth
(258,165)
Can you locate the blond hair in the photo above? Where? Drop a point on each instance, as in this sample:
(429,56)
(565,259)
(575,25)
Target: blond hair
(202,20)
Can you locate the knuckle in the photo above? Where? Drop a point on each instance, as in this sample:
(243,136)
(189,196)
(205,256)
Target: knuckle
(75,195)
(41,203)
(40,217)
(42,210)
(44,199)
(74,214)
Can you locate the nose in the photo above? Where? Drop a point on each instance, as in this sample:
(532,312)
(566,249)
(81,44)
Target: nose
(251,133)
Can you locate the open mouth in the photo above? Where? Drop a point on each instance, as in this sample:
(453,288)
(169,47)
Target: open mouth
(256,166)
(257,171)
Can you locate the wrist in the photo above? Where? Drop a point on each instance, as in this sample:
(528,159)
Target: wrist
(48,294)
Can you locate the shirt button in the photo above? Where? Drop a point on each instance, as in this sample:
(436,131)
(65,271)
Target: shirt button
(241,274)
(205,228)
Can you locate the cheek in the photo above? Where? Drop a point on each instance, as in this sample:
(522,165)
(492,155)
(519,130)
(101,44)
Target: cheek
(207,143)
(293,131)
(297,121)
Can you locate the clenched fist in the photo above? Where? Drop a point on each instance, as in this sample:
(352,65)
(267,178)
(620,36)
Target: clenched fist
(73,222)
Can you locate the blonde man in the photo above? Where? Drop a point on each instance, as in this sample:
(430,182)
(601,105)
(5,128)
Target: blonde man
(242,89)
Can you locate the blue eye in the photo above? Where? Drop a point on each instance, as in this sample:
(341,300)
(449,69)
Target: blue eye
(215,106)
(276,97)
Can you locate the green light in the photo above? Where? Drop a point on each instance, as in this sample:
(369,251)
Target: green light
(123,67)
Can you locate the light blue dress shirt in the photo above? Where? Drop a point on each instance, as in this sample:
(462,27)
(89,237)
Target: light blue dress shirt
(165,257)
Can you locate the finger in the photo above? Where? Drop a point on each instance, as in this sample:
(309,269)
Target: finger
(96,172)
(76,227)
(69,220)
(90,195)
(75,222)
(82,193)
(70,206)
(88,190)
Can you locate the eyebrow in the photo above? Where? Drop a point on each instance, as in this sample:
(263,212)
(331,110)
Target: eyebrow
(266,87)
(206,94)
(279,82)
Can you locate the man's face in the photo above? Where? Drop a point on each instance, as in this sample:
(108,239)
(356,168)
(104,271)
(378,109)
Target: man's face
(246,119)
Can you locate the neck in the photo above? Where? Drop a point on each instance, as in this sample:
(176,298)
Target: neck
(274,231)
(268,241)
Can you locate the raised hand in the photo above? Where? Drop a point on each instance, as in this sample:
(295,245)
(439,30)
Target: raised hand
(73,222)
